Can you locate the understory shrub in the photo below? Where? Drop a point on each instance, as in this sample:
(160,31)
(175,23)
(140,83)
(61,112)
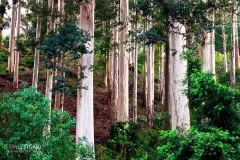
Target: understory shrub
(24,135)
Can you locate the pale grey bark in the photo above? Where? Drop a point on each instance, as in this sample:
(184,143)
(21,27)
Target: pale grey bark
(12,39)
(85,115)
(123,111)
(224,44)
(37,51)
(178,102)
(16,64)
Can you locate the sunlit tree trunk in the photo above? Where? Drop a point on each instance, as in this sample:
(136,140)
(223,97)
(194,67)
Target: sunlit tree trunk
(85,120)
(233,55)
(224,44)
(177,101)
(12,40)
(236,39)
(135,71)
(123,112)
(37,51)
(16,65)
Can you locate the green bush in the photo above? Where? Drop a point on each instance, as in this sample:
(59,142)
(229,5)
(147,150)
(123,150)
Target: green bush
(27,61)
(23,120)
(210,144)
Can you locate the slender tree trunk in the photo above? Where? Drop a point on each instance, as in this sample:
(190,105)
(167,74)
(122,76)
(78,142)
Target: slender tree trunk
(178,102)
(150,83)
(145,67)
(212,39)
(106,71)
(161,74)
(115,69)
(16,65)
(236,39)
(224,44)
(59,97)
(135,72)
(12,40)
(233,58)
(37,51)
(85,119)
(123,112)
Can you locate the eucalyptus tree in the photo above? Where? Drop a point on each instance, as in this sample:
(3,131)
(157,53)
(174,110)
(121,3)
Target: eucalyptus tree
(123,111)
(12,37)
(178,15)
(16,62)
(85,116)
(37,53)
(234,44)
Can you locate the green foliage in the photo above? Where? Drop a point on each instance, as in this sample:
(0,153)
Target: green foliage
(23,120)
(27,61)
(129,141)
(212,143)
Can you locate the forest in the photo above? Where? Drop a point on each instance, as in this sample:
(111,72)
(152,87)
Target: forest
(119,80)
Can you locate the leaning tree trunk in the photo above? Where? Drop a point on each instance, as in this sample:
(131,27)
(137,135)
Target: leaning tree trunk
(85,120)
(224,44)
(233,60)
(16,63)
(177,101)
(37,51)
(135,71)
(123,112)
(12,40)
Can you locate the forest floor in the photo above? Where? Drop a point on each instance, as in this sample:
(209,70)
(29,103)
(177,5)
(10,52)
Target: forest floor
(102,108)
(102,111)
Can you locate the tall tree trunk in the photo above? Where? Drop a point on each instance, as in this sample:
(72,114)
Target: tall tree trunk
(37,51)
(123,112)
(85,120)
(205,51)
(236,39)
(224,44)
(178,102)
(115,68)
(233,58)
(16,65)
(145,67)
(150,83)
(12,40)
(135,71)
(59,97)
(161,74)
(212,39)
